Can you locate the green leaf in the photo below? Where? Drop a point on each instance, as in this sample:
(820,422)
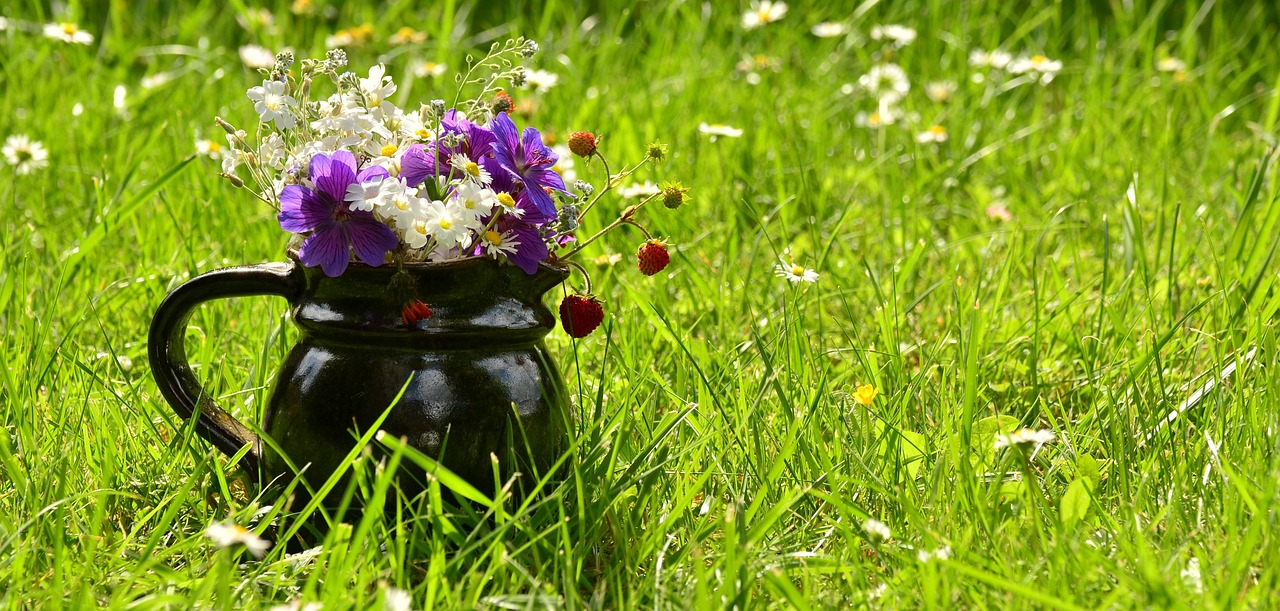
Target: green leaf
(1075,503)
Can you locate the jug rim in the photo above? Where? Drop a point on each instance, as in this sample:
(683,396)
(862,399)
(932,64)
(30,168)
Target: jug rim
(543,266)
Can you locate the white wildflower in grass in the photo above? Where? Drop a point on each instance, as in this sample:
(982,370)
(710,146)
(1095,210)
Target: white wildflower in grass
(429,69)
(876,119)
(940,91)
(643,189)
(208,148)
(227,535)
(878,531)
(1024,437)
(935,134)
(272,103)
(407,36)
(927,556)
(899,35)
(995,58)
(77,110)
(67,32)
(829,29)
(1171,64)
(24,154)
(999,212)
(1191,575)
(877,592)
(298,605)
(794,272)
(257,56)
(716,130)
(763,12)
(541,80)
(565,166)
(120,99)
(1036,65)
(4,24)
(886,82)
(395,599)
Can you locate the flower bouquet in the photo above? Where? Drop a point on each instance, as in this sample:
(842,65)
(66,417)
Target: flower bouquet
(352,174)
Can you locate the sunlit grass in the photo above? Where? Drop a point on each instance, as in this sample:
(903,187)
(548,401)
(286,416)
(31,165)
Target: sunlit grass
(1080,257)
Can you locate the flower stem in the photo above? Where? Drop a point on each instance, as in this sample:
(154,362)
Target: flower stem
(624,218)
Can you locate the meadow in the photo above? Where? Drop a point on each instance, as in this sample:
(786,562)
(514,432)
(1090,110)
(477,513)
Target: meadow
(1033,365)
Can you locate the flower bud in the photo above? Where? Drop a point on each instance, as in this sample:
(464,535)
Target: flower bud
(226,127)
(584,187)
(673,195)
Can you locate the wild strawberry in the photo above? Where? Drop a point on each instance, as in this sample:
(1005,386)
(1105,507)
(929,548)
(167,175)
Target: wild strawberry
(414,311)
(652,257)
(580,315)
(502,103)
(583,144)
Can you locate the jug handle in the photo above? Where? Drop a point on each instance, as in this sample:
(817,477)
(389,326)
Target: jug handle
(167,352)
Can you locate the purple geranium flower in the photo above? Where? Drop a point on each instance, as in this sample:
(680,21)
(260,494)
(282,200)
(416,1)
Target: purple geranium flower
(419,162)
(528,159)
(335,228)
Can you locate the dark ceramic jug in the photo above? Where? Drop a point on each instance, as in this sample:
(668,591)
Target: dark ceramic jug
(482,381)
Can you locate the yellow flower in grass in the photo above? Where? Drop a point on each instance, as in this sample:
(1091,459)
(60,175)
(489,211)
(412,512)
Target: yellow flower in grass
(865,394)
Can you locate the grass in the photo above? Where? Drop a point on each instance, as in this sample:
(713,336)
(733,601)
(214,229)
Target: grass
(721,458)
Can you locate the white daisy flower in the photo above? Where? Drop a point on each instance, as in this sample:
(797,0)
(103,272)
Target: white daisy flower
(4,24)
(24,154)
(877,530)
(763,12)
(429,69)
(298,605)
(935,134)
(887,82)
(900,35)
(272,104)
(794,272)
(1171,64)
(67,32)
(1024,437)
(120,99)
(942,553)
(257,56)
(715,130)
(1036,65)
(508,204)
(634,190)
(227,535)
(1191,575)
(400,204)
(877,119)
(446,224)
(495,243)
(361,195)
(541,80)
(395,599)
(472,171)
(829,29)
(940,91)
(989,59)
(208,148)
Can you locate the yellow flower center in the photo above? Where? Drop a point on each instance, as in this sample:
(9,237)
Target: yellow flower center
(420,227)
(473,168)
(938,130)
(69,28)
(1038,59)
(493,237)
(402,205)
(423,134)
(505,199)
(389,150)
(797,270)
(446,224)
(874,119)
(214,147)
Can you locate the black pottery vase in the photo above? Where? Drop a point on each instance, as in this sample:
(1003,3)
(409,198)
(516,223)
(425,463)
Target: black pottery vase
(480,382)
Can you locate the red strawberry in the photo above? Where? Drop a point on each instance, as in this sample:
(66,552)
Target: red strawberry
(652,257)
(580,315)
(583,144)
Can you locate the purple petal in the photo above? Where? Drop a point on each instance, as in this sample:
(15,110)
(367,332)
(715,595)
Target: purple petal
(531,248)
(545,177)
(338,177)
(541,201)
(300,210)
(372,173)
(536,152)
(532,213)
(416,165)
(480,142)
(326,247)
(506,140)
(370,238)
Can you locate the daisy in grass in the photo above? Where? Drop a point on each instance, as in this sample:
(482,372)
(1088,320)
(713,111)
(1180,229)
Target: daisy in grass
(1036,65)
(763,12)
(940,91)
(995,58)
(24,154)
(716,130)
(429,69)
(208,148)
(927,556)
(67,32)
(1171,64)
(878,531)
(899,35)
(635,190)
(407,36)
(227,535)
(877,119)
(829,29)
(541,80)
(1024,437)
(886,82)
(257,56)
(794,272)
(935,134)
